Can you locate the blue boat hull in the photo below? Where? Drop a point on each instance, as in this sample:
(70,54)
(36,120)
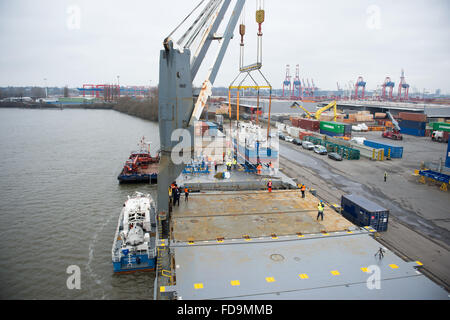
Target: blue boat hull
(145,264)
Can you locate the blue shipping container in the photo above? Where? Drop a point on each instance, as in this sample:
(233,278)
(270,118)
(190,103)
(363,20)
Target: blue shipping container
(412,124)
(447,162)
(364,212)
(395,152)
(331,134)
(412,132)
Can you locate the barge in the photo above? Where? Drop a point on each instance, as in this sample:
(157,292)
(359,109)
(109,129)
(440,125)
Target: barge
(141,166)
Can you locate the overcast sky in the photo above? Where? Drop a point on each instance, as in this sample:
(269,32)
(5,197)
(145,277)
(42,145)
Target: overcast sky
(79,41)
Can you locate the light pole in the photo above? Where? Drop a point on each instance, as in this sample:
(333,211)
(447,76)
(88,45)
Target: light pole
(118,84)
(46,89)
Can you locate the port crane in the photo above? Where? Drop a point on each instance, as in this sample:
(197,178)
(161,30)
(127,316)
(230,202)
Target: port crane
(393,133)
(287,83)
(317,114)
(297,90)
(403,86)
(179,108)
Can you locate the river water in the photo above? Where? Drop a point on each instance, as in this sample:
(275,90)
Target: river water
(60,201)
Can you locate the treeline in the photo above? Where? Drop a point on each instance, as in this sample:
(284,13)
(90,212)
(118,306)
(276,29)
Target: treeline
(35,92)
(145,109)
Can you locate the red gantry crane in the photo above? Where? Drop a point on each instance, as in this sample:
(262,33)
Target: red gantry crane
(387,84)
(360,83)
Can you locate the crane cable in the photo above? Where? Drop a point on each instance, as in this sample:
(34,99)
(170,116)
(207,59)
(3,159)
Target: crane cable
(188,16)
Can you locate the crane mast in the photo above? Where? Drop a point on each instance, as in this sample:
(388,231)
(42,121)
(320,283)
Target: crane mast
(178,108)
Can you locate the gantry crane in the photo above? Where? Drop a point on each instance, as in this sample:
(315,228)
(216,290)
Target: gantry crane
(178,108)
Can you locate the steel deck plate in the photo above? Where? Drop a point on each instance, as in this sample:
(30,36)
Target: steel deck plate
(231,215)
(325,268)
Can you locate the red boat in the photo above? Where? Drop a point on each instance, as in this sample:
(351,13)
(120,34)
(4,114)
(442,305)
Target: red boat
(141,166)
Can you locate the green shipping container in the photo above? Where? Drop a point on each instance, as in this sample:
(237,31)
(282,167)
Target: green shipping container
(336,127)
(441,126)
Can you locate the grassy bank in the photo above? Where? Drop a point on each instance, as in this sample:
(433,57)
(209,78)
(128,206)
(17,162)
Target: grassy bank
(145,109)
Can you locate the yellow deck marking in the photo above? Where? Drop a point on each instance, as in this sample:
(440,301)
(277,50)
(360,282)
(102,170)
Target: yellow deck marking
(335,273)
(235,283)
(365,270)
(198,286)
(393,266)
(270,279)
(303,276)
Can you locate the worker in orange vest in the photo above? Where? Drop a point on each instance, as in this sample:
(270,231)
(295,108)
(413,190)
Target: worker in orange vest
(303,189)
(259,168)
(269,185)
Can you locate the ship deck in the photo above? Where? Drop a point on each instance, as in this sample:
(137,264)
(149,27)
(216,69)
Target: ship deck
(264,246)
(331,268)
(151,169)
(233,215)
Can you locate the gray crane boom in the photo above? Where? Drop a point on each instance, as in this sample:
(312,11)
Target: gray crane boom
(177,106)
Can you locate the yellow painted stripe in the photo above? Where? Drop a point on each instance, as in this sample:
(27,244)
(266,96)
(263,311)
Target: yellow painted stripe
(335,273)
(198,286)
(270,279)
(393,266)
(303,276)
(235,283)
(365,270)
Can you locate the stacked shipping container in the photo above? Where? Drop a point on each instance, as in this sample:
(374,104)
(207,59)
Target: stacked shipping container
(309,124)
(393,151)
(447,161)
(335,129)
(413,123)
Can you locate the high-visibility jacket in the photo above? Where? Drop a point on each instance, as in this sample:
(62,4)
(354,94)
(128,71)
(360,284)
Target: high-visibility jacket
(170,191)
(234,161)
(303,188)
(320,208)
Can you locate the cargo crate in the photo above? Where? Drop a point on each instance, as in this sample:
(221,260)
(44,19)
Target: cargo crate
(412,124)
(441,126)
(394,151)
(447,161)
(364,212)
(413,132)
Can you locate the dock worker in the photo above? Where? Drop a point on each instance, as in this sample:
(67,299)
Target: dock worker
(176,196)
(234,164)
(271,168)
(385,176)
(186,194)
(259,168)
(320,207)
(269,185)
(303,189)
(170,195)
